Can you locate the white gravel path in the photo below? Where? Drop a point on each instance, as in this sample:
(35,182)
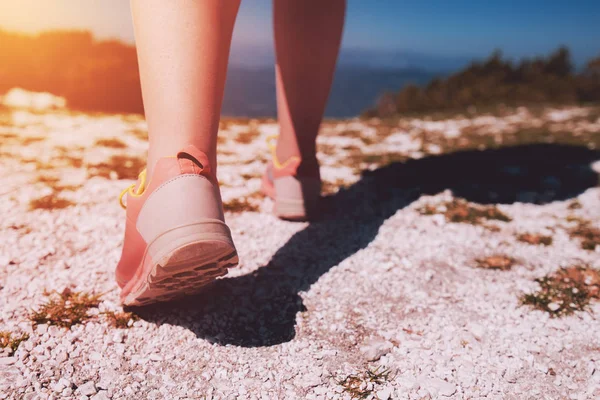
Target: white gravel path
(375,285)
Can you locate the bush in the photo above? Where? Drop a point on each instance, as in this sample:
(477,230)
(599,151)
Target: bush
(496,81)
(91,75)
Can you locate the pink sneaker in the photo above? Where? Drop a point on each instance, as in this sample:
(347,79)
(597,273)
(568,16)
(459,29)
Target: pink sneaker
(296,197)
(176,240)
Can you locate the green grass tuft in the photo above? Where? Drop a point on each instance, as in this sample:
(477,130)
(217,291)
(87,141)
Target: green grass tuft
(361,386)
(65,309)
(10,342)
(565,291)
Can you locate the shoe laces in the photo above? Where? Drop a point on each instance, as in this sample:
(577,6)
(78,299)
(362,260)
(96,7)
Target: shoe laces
(272,145)
(132,191)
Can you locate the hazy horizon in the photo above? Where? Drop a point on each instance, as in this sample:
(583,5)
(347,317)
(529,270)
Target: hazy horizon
(459,31)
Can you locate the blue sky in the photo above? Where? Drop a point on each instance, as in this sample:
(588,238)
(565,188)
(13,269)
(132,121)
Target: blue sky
(453,27)
(519,28)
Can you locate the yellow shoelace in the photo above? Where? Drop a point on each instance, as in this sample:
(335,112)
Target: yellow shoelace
(271,144)
(129,190)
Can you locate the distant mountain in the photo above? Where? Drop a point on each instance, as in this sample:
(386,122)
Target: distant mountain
(250,91)
(243,55)
(361,77)
(404,59)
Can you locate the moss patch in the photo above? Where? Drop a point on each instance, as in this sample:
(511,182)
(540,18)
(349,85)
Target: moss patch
(565,291)
(329,188)
(535,239)
(50,202)
(120,319)
(587,234)
(363,385)
(119,167)
(65,309)
(113,143)
(247,137)
(574,205)
(26,141)
(460,210)
(239,205)
(10,341)
(498,262)
(52,182)
(139,133)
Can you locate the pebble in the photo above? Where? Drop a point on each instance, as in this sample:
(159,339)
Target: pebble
(87,389)
(385,393)
(7,360)
(375,348)
(101,395)
(379,284)
(437,386)
(553,306)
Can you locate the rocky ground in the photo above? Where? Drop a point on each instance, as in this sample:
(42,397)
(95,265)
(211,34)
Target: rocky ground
(457,257)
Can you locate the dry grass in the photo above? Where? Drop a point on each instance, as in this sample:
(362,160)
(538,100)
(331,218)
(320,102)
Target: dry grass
(26,141)
(587,234)
(49,180)
(250,176)
(565,291)
(329,187)
(460,210)
(113,143)
(497,262)
(363,385)
(119,167)
(574,205)
(64,160)
(535,239)
(120,319)
(247,137)
(140,134)
(75,162)
(65,309)
(239,205)
(11,342)
(52,182)
(22,228)
(50,202)
(8,137)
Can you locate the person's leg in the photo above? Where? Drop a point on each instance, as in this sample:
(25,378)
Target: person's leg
(308,34)
(176,240)
(183,49)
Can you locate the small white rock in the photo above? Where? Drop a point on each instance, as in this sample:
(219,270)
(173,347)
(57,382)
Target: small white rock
(87,389)
(439,386)
(7,360)
(101,395)
(385,393)
(553,306)
(374,349)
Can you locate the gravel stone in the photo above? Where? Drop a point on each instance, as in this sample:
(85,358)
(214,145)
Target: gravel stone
(385,393)
(87,389)
(101,395)
(437,386)
(374,349)
(373,286)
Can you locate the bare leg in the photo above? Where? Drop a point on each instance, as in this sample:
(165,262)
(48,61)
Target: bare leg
(183,49)
(308,34)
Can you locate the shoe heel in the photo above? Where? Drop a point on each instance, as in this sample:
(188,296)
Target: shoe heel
(189,244)
(296,198)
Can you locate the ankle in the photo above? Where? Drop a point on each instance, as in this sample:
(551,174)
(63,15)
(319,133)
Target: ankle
(155,155)
(309,167)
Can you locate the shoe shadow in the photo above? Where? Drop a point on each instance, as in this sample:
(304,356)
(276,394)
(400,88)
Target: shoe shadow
(260,309)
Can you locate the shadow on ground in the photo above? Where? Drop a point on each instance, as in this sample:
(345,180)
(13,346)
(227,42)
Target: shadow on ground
(260,309)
